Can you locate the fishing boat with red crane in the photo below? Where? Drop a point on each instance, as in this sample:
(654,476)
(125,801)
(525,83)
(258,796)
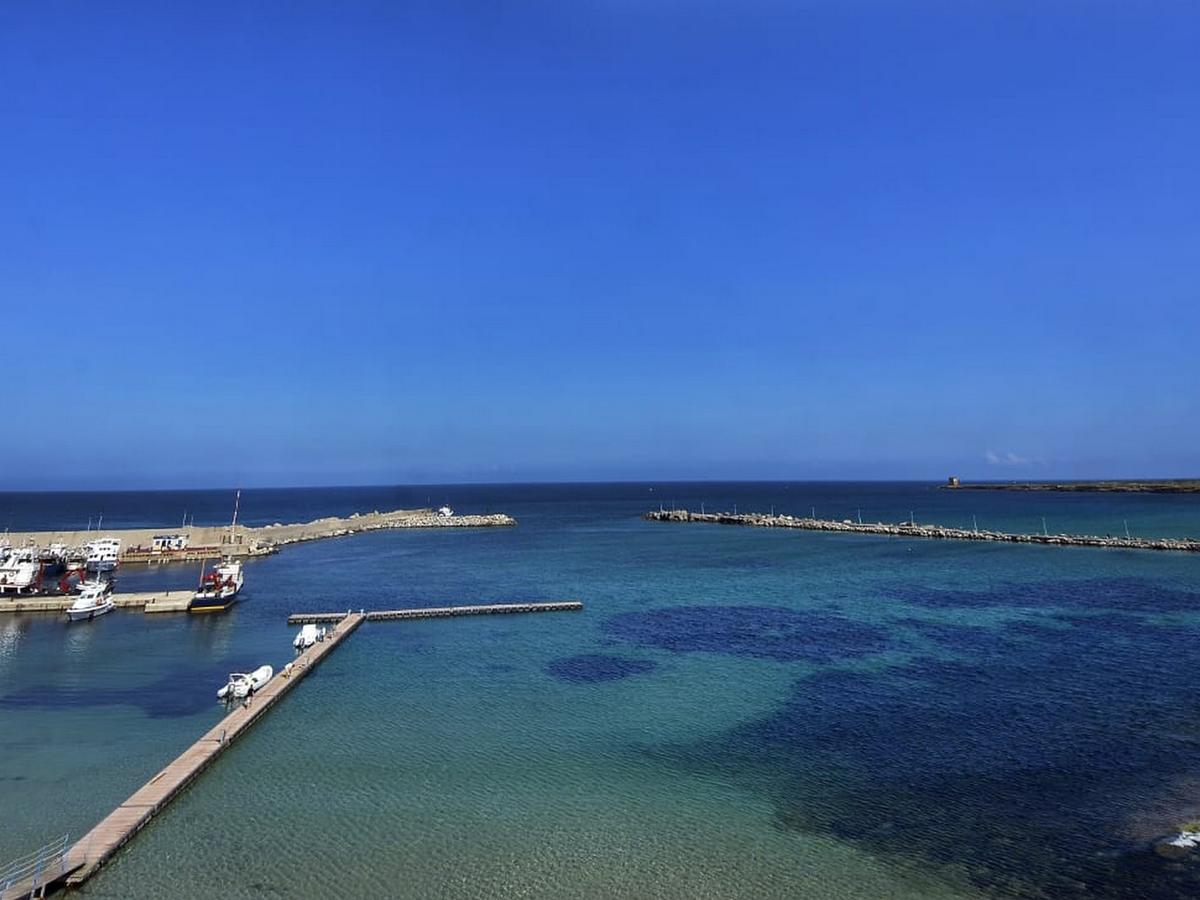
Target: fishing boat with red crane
(219,588)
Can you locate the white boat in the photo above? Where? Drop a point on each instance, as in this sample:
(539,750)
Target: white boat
(218,588)
(308,636)
(242,685)
(95,599)
(20,571)
(103,554)
(445,512)
(54,555)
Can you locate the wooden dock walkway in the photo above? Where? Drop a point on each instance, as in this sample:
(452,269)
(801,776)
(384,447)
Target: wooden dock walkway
(439,612)
(99,844)
(76,865)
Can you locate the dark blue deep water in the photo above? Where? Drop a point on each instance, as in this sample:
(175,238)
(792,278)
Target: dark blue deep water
(737,712)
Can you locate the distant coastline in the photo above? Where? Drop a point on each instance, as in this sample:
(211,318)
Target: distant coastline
(1169,486)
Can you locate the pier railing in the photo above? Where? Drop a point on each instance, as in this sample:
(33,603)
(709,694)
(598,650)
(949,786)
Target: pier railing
(29,875)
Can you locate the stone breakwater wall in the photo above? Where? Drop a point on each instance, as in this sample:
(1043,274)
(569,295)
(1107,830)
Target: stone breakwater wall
(279,535)
(904,529)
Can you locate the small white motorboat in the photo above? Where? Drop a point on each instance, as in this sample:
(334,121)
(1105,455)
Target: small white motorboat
(308,636)
(95,599)
(242,685)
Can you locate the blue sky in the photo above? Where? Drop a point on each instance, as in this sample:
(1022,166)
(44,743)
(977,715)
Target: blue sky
(319,243)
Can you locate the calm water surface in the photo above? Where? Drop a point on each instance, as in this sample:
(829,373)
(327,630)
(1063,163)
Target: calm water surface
(738,712)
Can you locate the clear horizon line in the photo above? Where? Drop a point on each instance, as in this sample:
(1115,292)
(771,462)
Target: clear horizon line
(574,482)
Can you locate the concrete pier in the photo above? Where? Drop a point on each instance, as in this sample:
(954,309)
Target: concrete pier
(904,529)
(438,612)
(99,844)
(147,601)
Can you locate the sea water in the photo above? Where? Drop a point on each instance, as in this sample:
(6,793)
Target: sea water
(737,712)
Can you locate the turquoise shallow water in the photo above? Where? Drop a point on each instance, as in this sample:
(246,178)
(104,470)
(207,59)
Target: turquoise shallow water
(737,712)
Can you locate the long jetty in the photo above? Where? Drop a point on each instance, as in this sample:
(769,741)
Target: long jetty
(76,865)
(911,529)
(440,612)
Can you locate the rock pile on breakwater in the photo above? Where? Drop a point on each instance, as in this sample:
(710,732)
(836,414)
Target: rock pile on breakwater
(910,529)
(279,535)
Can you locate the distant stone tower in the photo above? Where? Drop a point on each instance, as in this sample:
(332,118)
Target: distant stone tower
(952,481)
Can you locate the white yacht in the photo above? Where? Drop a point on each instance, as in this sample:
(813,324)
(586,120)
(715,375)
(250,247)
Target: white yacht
(95,599)
(20,571)
(103,554)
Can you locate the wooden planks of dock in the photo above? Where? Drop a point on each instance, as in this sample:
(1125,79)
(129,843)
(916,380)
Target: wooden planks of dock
(99,844)
(439,612)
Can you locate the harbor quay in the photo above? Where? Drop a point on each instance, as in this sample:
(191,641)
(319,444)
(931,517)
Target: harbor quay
(913,529)
(39,570)
(196,542)
(147,601)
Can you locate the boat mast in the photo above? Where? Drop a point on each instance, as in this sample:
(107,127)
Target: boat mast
(233,525)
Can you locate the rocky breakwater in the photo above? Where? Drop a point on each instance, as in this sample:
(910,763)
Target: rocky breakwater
(911,529)
(278,535)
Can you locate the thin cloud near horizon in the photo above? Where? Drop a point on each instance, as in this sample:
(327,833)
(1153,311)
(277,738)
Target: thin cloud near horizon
(1006,458)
